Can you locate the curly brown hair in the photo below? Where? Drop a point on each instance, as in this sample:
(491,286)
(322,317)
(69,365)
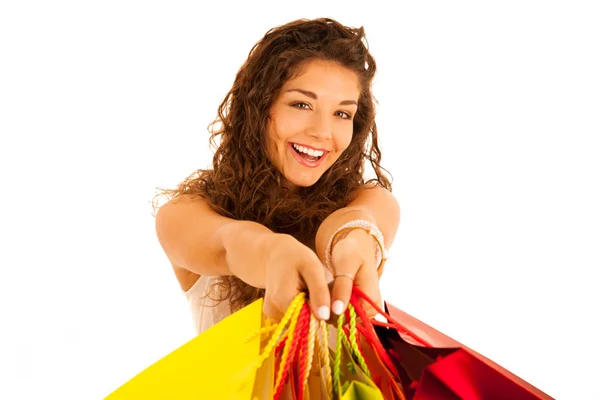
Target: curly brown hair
(243,184)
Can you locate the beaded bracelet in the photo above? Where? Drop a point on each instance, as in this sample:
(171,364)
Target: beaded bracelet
(371,229)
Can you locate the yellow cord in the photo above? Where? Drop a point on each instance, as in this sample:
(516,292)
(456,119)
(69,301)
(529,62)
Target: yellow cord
(295,308)
(296,304)
(325,357)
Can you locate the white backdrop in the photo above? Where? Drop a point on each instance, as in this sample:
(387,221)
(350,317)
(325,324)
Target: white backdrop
(489,121)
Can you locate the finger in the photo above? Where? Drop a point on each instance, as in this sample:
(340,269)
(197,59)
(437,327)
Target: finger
(318,291)
(345,272)
(342,289)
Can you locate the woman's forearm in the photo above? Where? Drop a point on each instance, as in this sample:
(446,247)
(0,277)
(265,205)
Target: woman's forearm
(200,240)
(336,219)
(375,205)
(246,247)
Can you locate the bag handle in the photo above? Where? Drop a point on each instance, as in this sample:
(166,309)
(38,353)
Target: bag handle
(348,340)
(357,293)
(297,348)
(368,331)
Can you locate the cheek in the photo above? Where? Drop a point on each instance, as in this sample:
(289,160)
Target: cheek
(272,142)
(287,126)
(277,131)
(343,140)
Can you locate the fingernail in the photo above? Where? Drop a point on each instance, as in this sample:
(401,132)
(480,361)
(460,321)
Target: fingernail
(338,307)
(323,313)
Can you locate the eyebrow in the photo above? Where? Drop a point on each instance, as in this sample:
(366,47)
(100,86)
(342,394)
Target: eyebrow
(314,96)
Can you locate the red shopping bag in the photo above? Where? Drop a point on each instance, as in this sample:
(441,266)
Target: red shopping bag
(434,366)
(464,372)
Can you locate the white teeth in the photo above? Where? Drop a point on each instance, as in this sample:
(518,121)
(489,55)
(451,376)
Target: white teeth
(310,152)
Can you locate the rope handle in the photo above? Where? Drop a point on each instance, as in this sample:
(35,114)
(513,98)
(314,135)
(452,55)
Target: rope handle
(347,338)
(297,331)
(297,343)
(291,314)
(368,332)
(358,293)
(295,340)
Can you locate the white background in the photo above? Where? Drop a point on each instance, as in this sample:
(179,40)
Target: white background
(489,122)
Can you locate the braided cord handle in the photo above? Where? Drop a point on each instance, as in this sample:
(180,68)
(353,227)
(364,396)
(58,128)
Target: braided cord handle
(394,324)
(370,336)
(349,340)
(277,334)
(297,349)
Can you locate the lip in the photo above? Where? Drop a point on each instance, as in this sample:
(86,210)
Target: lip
(306,163)
(310,147)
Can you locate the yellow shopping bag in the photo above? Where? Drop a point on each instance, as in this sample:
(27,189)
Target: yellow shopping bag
(217,364)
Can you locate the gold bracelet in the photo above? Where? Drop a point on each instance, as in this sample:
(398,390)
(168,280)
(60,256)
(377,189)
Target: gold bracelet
(367,226)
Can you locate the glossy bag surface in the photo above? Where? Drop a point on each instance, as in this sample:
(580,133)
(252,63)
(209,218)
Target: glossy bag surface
(436,366)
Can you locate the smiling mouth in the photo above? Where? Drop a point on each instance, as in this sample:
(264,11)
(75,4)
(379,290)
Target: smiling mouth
(308,157)
(306,153)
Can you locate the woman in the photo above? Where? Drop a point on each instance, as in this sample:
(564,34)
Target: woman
(285,207)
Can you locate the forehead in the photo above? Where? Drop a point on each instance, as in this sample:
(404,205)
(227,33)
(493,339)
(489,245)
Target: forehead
(327,77)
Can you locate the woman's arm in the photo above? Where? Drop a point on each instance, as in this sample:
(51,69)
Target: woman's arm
(198,239)
(376,205)
(353,257)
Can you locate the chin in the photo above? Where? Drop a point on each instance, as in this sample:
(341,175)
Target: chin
(299,182)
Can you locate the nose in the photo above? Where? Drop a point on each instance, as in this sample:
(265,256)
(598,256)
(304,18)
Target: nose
(321,127)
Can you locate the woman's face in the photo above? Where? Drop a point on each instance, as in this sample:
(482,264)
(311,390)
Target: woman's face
(310,121)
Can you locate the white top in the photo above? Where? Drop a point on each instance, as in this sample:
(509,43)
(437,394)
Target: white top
(205,311)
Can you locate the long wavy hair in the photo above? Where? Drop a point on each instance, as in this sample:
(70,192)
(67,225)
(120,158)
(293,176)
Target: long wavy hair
(243,184)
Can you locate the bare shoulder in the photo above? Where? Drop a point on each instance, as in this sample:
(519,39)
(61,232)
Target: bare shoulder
(375,195)
(164,227)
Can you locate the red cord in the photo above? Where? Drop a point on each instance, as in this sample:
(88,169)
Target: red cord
(396,325)
(303,353)
(370,336)
(302,318)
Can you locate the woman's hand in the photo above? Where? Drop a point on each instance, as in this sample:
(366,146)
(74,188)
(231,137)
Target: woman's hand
(292,268)
(353,262)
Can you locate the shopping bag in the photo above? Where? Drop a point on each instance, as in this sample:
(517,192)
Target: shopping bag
(410,359)
(357,385)
(442,368)
(389,385)
(263,382)
(467,377)
(320,380)
(384,373)
(298,348)
(351,374)
(316,387)
(217,364)
(361,391)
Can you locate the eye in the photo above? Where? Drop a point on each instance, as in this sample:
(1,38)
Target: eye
(301,105)
(344,114)
(306,106)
